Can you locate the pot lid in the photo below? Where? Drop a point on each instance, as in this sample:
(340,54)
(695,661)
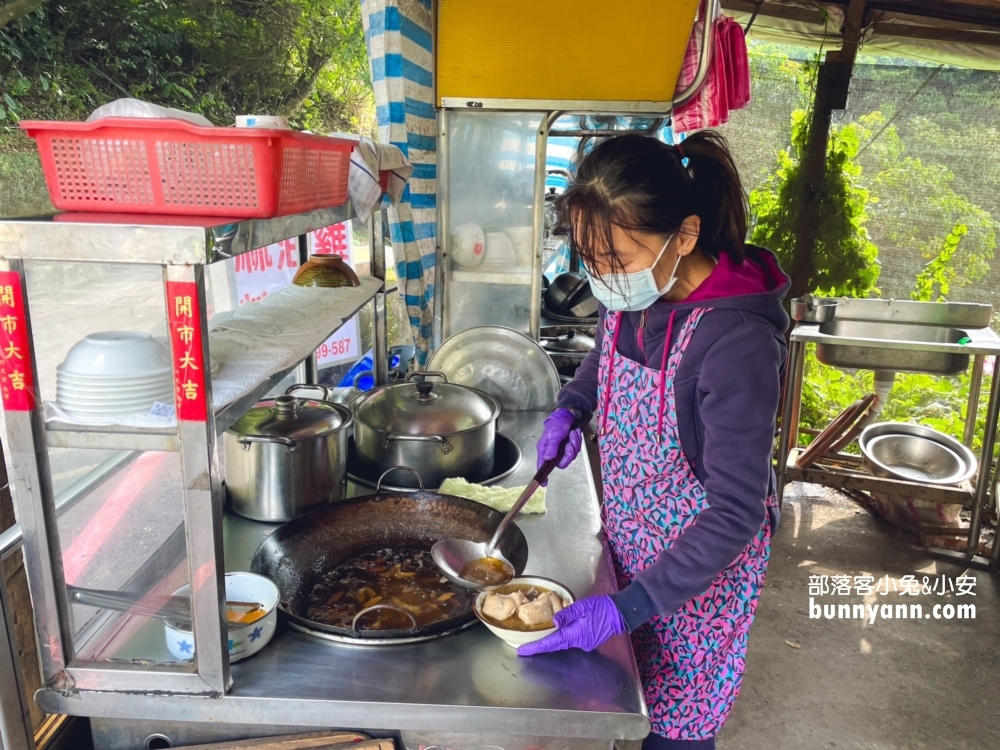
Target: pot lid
(425,408)
(572,342)
(290,417)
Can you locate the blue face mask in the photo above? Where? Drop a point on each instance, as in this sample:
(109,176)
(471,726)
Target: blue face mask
(631,292)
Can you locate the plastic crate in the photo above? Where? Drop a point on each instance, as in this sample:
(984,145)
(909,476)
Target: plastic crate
(126,165)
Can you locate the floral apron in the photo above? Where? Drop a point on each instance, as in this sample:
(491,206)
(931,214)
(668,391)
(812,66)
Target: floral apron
(692,662)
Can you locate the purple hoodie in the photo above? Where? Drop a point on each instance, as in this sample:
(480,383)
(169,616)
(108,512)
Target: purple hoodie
(727,391)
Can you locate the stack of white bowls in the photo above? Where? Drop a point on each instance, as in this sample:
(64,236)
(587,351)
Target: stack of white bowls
(499,254)
(107,375)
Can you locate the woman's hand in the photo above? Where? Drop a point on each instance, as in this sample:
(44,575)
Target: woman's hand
(585,624)
(559,427)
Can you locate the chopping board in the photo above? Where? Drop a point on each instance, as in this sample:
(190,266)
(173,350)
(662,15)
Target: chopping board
(325,740)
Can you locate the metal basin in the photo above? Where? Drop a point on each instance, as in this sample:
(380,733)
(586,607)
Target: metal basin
(915,453)
(861,357)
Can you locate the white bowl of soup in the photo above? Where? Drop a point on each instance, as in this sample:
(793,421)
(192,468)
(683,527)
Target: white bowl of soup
(523,624)
(255,630)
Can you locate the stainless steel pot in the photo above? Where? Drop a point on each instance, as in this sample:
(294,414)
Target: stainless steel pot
(440,429)
(811,309)
(287,456)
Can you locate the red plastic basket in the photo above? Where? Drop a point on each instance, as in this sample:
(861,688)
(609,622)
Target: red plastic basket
(125,165)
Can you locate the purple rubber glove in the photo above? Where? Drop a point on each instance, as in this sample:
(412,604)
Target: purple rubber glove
(586,624)
(558,427)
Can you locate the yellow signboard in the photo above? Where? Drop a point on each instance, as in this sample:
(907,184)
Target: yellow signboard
(564,50)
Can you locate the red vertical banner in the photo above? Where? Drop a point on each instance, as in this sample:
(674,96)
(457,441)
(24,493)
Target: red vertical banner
(16,381)
(184,316)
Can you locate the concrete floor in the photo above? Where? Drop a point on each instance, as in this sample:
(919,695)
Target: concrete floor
(890,685)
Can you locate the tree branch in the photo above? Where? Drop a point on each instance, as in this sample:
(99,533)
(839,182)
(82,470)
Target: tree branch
(14,9)
(305,85)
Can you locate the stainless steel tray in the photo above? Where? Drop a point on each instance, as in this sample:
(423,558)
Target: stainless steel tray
(508,365)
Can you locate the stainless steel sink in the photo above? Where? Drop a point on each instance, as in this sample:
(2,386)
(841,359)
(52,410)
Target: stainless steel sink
(904,360)
(903,336)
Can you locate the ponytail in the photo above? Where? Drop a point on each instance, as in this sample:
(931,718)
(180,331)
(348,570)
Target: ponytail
(720,199)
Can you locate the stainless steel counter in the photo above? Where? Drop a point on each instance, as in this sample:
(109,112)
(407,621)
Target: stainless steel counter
(470,682)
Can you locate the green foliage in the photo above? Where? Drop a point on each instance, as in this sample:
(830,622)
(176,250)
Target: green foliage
(845,260)
(968,233)
(907,203)
(305,59)
(940,272)
(22,187)
(962,140)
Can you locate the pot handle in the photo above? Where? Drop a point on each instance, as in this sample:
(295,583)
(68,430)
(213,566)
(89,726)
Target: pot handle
(393,607)
(387,472)
(327,392)
(423,374)
(246,440)
(445,445)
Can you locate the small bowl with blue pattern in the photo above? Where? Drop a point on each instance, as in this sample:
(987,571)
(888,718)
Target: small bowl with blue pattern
(244,640)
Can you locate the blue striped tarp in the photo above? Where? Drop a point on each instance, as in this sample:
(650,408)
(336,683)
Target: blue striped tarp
(399,35)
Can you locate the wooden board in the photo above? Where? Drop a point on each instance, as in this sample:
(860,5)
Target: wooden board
(324,740)
(842,478)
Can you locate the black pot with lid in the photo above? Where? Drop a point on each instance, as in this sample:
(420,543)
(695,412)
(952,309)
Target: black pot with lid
(569,296)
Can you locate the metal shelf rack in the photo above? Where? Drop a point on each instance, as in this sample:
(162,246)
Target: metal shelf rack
(183,248)
(982,342)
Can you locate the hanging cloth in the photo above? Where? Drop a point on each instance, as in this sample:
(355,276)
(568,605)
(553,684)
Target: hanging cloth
(399,35)
(727,85)
(734,46)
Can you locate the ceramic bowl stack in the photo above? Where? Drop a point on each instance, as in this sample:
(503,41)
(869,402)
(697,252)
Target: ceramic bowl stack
(108,375)
(499,254)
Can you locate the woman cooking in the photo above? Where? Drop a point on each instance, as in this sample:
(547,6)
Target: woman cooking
(685,381)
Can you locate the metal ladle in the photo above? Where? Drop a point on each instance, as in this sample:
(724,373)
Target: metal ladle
(453,555)
(175,608)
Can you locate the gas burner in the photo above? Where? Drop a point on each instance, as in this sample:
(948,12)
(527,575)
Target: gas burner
(506,458)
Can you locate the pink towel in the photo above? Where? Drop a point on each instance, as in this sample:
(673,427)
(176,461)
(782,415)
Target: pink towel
(738,65)
(727,86)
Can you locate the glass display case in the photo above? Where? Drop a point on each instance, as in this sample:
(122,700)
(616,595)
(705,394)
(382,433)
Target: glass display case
(488,266)
(118,376)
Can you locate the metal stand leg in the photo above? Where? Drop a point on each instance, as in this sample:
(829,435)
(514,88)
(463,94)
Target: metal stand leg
(380,344)
(789,431)
(972,409)
(184,290)
(31,488)
(538,223)
(16,731)
(442,320)
(308,371)
(985,465)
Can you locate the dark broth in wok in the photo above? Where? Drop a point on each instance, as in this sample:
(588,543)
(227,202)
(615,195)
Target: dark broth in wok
(405,578)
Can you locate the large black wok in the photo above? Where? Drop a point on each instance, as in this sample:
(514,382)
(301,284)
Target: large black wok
(299,552)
